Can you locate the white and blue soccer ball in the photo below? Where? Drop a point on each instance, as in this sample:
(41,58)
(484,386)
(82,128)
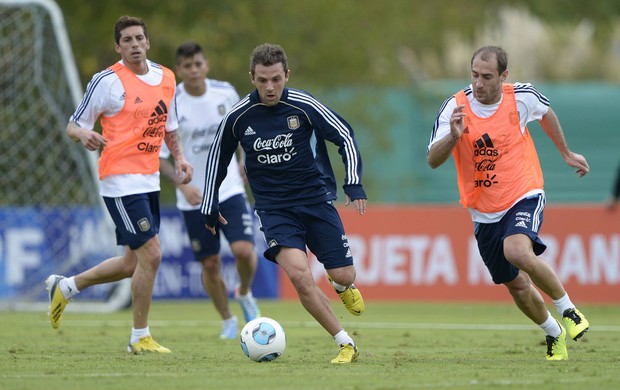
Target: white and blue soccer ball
(262,339)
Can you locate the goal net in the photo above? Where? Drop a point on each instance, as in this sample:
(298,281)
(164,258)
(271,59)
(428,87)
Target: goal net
(52,219)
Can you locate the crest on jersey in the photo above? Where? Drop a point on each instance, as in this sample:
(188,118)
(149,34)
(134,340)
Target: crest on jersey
(221,109)
(293,122)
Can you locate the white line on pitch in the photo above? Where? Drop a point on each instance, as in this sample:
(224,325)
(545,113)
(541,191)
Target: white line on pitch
(363,325)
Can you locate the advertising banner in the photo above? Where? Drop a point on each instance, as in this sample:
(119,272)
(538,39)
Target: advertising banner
(82,237)
(401,253)
(429,253)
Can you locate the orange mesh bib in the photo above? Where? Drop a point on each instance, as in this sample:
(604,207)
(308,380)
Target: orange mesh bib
(135,134)
(496,163)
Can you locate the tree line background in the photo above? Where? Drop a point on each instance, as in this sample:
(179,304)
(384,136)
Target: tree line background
(344,42)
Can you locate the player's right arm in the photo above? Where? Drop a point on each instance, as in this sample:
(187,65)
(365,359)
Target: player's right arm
(222,150)
(96,101)
(447,131)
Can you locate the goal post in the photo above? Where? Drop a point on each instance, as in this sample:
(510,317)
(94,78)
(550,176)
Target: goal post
(52,219)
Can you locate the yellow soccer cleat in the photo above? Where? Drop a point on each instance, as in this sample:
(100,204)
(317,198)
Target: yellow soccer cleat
(348,353)
(556,346)
(146,344)
(57,301)
(352,299)
(576,323)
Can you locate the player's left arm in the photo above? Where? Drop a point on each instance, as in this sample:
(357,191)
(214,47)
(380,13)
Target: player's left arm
(551,125)
(337,130)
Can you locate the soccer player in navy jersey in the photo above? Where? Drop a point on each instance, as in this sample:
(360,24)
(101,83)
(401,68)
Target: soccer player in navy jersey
(282,132)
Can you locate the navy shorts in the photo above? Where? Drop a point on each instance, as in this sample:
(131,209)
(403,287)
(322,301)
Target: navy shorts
(525,217)
(136,218)
(240,227)
(317,227)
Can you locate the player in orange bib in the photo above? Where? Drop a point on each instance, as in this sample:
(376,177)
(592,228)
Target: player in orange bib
(500,181)
(135,100)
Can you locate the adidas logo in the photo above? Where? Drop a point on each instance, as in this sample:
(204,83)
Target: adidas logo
(161,109)
(138,100)
(483,142)
(521,224)
(483,146)
(249,131)
(122,96)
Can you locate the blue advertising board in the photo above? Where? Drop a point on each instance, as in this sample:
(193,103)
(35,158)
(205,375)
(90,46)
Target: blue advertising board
(31,248)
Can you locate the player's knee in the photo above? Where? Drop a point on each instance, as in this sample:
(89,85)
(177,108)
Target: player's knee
(212,264)
(128,269)
(244,253)
(344,276)
(519,256)
(519,285)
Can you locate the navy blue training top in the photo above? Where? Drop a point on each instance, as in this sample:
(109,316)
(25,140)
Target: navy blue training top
(286,159)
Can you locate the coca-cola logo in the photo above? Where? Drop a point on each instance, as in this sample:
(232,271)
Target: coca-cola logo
(141,112)
(154,131)
(485,165)
(277,142)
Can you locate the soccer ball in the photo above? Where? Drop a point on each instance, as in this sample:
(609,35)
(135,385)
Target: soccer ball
(262,339)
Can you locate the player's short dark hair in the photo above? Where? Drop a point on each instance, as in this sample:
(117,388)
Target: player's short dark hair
(268,54)
(188,49)
(127,21)
(486,51)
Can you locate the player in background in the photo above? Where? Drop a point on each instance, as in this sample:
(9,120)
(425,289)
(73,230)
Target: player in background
(614,199)
(135,100)
(201,105)
(282,132)
(484,127)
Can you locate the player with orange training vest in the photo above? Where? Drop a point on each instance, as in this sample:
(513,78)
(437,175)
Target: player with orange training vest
(500,181)
(135,100)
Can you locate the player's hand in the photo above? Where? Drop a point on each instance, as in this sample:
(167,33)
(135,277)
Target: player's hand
(456,122)
(185,171)
(360,204)
(221,220)
(576,160)
(92,140)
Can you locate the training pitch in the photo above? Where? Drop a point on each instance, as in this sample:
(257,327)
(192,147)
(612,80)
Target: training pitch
(402,346)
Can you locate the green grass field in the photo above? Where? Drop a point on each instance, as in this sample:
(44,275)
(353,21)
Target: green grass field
(402,346)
